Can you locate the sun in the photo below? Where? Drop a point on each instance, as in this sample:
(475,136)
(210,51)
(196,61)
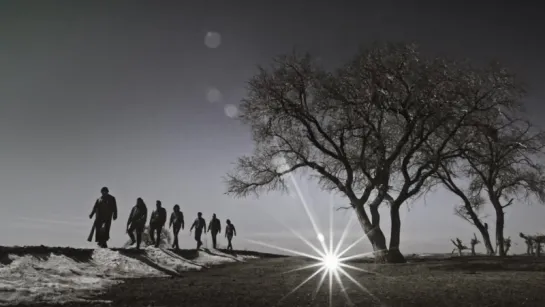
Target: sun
(330,262)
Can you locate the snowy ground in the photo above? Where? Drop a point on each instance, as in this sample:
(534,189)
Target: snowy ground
(59,278)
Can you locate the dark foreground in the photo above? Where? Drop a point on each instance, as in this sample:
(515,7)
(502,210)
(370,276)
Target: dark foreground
(478,281)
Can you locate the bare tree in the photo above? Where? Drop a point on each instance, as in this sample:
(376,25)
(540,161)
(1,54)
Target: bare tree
(471,203)
(474,241)
(506,245)
(530,241)
(374,130)
(458,246)
(504,162)
(475,94)
(539,241)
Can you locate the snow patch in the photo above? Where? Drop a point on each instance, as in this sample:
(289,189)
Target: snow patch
(233,257)
(170,260)
(114,264)
(60,279)
(206,259)
(29,279)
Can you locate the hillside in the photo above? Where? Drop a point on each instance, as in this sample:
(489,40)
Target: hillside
(54,276)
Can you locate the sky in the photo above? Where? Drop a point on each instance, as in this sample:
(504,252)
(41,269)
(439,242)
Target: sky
(124,94)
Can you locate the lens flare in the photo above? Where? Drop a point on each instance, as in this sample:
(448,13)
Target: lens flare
(321,237)
(330,261)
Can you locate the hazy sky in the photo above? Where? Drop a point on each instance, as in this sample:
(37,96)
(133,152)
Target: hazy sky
(96,94)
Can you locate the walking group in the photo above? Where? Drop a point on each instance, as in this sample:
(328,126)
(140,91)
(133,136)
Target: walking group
(105,211)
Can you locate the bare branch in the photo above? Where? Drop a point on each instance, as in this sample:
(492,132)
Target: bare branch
(508,204)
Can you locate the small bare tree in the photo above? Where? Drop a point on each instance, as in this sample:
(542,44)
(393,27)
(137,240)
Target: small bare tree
(507,245)
(459,246)
(474,241)
(530,242)
(539,241)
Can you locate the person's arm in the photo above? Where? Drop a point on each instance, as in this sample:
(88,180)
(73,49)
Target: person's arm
(94,210)
(144,215)
(182,217)
(226,230)
(171,220)
(114,208)
(210,225)
(204,221)
(192,226)
(131,215)
(163,217)
(234,231)
(219,226)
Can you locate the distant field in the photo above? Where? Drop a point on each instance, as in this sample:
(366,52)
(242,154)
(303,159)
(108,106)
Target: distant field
(466,281)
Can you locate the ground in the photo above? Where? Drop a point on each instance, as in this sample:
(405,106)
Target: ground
(465,281)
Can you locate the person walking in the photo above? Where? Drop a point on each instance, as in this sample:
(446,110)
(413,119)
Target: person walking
(157,222)
(200,225)
(230,231)
(214,227)
(137,222)
(177,223)
(104,211)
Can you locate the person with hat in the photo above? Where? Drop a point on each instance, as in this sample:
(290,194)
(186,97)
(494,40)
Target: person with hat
(104,211)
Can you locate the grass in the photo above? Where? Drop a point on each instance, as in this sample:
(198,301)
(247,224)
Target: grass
(458,281)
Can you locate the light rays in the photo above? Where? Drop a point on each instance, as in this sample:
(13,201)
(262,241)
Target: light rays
(329,261)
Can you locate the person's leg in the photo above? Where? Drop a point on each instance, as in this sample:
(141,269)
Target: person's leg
(100,237)
(130,232)
(214,234)
(152,234)
(158,241)
(198,238)
(176,231)
(107,226)
(139,232)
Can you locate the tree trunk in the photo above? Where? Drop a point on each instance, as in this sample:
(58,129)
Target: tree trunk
(477,222)
(451,185)
(486,238)
(374,233)
(394,254)
(473,250)
(500,222)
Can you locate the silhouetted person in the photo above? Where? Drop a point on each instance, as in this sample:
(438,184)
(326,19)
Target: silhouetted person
(177,222)
(137,222)
(200,225)
(214,227)
(104,210)
(157,222)
(230,231)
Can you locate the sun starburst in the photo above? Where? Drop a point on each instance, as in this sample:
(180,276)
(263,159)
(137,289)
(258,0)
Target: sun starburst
(330,261)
